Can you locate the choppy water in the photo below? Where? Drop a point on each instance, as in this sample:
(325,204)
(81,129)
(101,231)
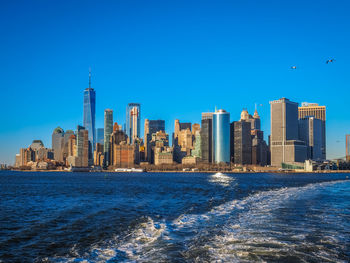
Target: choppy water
(174,217)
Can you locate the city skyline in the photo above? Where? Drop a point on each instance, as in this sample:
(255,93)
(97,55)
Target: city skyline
(212,60)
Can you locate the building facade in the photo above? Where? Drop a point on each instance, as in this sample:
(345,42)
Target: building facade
(241,142)
(318,112)
(286,148)
(99,155)
(158,144)
(197,150)
(221,136)
(117,137)
(67,135)
(108,130)
(58,144)
(207,137)
(151,126)
(182,140)
(83,145)
(133,121)
(125,155)
(310,131)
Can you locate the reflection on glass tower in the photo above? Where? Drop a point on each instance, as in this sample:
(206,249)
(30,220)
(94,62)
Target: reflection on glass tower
(89,116)
(133,121)
(221,136)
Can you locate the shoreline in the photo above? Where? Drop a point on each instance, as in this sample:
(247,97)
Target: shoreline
(176,171)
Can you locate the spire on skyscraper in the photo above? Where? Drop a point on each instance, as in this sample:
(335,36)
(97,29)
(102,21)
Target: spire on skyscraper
(89,77)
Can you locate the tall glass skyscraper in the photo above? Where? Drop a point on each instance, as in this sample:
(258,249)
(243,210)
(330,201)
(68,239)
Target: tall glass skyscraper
(107,135)
(89,117)
(133,121)
(221,136)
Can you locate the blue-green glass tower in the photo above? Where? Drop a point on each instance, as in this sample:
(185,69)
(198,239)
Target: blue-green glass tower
(221,136)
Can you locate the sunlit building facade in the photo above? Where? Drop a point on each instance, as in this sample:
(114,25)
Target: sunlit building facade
(133,121)
(318,112)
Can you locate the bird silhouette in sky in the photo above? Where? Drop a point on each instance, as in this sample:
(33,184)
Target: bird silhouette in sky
(330,60)
(293,67)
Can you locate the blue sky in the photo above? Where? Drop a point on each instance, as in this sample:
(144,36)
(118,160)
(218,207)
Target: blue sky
(176,58)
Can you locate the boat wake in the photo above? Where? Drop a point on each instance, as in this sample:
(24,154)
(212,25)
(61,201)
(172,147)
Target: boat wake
(246,230)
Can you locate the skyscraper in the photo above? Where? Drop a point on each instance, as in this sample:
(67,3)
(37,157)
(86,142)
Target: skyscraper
(221,136)
(241,142)
(83,145)
(108,129)
(58,143)
(348,147)
(319,112)
(286,148)
(207,137)
(133,119)
(66,137)
(310,131)
(89,117)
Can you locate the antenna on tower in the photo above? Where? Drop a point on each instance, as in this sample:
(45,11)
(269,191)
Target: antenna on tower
(89,77)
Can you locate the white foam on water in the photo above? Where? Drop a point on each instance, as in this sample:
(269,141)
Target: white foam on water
(242,237)
(255,237)
(221,179)
(134,247)
(139,244)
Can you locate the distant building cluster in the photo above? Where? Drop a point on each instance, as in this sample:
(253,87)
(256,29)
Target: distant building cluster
(298,133)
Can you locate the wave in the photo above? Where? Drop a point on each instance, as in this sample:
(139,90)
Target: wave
(134,246)
(242,230)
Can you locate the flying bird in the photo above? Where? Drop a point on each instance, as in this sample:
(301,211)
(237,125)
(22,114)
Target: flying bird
(293,67)
(330,60)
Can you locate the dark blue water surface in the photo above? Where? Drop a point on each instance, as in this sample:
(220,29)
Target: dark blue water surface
(174,217)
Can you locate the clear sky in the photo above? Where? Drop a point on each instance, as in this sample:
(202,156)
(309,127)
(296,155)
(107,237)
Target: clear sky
(176,58)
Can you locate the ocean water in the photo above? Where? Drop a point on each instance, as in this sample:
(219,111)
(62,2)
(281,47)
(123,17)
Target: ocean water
(174,217)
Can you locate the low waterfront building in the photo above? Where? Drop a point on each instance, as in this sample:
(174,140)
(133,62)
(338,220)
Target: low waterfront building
(163,156)
(190,160)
